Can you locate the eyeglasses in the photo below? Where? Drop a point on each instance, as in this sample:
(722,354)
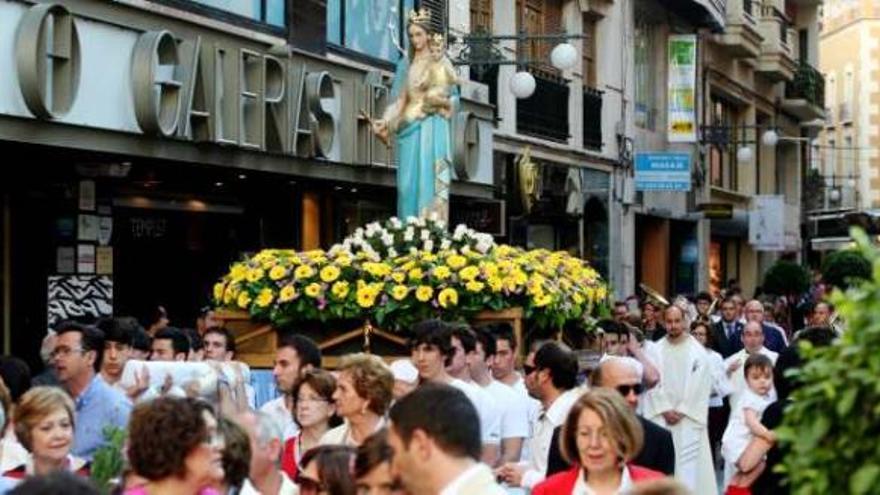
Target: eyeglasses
(65,351)
(635,388)
(309,486)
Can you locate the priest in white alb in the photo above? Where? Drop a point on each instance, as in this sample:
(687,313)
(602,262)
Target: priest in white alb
(680,403)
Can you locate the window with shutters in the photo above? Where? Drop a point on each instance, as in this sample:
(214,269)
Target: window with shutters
(539,17)
(588,51)
(375,28)
(481,16)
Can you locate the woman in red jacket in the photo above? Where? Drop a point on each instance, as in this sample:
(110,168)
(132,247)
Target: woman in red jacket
(314,413)
(599,438)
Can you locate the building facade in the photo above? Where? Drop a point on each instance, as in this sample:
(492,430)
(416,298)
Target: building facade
(150,143)
(847,165)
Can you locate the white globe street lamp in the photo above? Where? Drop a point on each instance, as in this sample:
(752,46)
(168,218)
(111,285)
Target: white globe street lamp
(770,138)
(564,56)
(744,154)
(522,84)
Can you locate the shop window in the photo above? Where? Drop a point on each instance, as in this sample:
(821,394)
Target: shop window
(271,12)
(373,28)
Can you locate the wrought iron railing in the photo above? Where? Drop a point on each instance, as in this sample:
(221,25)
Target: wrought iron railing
(545,113)
(592,118)
(808,84)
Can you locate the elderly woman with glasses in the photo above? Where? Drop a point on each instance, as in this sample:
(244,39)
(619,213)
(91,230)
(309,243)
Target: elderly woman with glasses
(600,437)
(314,413)
(176,446)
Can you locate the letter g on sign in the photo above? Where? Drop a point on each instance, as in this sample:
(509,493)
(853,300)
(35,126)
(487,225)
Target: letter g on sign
(155,78)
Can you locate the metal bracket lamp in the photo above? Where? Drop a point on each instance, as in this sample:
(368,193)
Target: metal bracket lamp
(480,51)
(720,135)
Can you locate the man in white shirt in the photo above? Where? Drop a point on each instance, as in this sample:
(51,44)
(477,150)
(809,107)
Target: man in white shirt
(295,354)
(435,437)
(432,351)
(551,377)
(753,343)
(504,364)
(265,475)
(513,406)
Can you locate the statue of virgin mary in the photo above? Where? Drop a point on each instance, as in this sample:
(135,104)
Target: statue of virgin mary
(424,98)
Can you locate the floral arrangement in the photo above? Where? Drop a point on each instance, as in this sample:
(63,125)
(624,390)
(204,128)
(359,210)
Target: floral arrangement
(397,273)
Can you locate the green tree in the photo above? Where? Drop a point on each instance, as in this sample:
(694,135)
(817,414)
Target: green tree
(844,267)
(786,277)
(830,430)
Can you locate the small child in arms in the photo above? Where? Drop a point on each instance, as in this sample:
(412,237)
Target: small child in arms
(745,423)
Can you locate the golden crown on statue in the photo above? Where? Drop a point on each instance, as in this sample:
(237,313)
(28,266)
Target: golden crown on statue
(421,16)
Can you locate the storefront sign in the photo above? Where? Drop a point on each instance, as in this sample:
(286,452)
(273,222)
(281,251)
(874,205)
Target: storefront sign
(663,172)
(181,86)
(716,211)
(767,223)
(682,88)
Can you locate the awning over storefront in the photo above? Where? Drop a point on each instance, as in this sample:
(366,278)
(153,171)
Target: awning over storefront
(702,13)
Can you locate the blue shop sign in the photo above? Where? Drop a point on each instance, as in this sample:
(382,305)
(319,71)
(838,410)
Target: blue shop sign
(663,172)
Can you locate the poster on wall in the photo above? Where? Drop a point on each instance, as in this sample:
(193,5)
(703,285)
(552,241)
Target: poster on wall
(682,88)
(767,223)
(79,296)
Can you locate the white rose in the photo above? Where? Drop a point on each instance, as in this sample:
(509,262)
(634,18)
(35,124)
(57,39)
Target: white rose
(426,234)
(392,253)
(445,244)
(411,220)
(429,245)
(413,251)
(408,235)
(434,216)
(387,240)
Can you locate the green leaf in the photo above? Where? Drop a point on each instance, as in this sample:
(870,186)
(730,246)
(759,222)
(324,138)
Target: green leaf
(847,400)
(863,480)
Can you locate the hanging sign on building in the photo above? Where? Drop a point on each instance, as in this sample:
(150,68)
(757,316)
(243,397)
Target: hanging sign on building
(682,88)
(663,172)
(767,223)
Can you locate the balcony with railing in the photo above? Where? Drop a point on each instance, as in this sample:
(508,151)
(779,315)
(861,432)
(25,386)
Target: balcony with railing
(805,94)
(776,61)
(545,113)
(741,35)
(592,119)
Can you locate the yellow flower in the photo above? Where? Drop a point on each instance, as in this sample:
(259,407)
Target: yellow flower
(277,272)
(313,290)
(491,269)
(366,298)
(495,284)
(265,298)
(329,273)
(416,274)
(424,293)
(218,291)
(429,257)
(244,299)
(340,289)
(447,297)
(456,261)
(343,260)
(255,275)
(475,286)
(377,270)
(287,294)
(577,298)
(469,273)
(239,272)
(398,277)
(542,300)
(520,277)
(231,293)
(442,272)
(601,293)
(399,292)
(303,271)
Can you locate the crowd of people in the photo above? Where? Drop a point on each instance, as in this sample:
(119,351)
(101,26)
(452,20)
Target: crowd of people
(683,398)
